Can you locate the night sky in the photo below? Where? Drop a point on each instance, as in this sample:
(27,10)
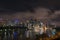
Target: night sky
(24,5)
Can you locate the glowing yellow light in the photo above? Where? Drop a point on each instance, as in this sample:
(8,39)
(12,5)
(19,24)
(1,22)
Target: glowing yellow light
(37,29)
(45,28)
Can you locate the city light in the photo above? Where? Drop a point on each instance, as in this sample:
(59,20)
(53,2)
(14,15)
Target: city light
(28,29)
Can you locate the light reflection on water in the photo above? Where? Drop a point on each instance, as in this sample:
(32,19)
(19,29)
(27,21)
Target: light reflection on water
(21,34)
(15,35)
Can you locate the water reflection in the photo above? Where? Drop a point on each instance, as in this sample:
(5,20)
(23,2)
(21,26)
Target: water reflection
(23,34)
